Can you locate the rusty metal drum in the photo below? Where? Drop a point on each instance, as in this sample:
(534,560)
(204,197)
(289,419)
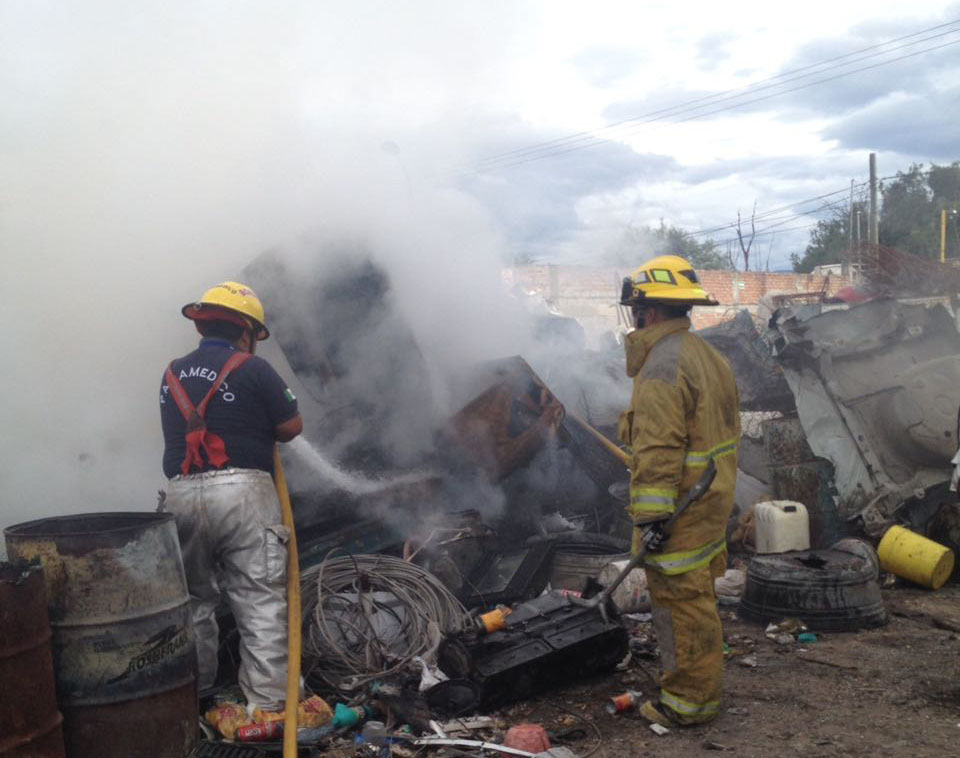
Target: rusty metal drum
(123,646)
(30,724)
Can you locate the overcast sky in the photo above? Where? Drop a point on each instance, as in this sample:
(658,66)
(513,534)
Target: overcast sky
(151,149)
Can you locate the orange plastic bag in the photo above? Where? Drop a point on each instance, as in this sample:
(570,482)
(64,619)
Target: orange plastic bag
(227,717)
(312,712)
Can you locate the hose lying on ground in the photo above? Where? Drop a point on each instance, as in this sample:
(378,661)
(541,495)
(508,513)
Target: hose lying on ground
(367,616)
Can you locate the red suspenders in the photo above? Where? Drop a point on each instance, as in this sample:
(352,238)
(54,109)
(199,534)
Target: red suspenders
(197,434)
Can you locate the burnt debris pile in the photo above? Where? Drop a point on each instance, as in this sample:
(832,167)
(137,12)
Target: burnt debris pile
(458,521)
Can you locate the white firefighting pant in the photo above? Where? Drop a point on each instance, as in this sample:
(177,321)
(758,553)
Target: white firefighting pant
(232,539)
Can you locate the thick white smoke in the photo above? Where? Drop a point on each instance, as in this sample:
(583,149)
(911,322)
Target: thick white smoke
(151,152)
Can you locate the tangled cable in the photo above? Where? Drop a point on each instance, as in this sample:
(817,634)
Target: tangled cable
(367,616)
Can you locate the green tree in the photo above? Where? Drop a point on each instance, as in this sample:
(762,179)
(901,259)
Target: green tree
(944,182)
(912,201)
(829,240)
(909,217)
(641,243)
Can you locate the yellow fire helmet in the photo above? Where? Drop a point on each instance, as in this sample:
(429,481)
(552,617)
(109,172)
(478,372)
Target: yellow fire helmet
(229,301)
(667,279)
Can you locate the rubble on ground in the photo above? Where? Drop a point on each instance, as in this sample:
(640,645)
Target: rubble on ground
(849,409)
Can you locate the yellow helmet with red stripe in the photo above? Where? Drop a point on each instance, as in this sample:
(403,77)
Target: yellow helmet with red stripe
(230,301)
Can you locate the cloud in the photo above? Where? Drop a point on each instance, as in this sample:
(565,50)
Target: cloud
(920,127)
(536,200)
(911,65)
(604,66)
(818,80)
(713,48)
(662,104)
(782,169)
(150,153)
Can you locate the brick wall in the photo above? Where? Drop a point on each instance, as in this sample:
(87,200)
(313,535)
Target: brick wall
(590,294)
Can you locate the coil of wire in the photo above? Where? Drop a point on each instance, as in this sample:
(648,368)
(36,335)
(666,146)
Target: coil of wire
(368,616)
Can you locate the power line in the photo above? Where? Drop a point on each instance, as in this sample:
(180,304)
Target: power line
(735,105)
(771,214)
(718,98)
(768,232)
(580,142)
(774,228)
(775,211)
(754,86)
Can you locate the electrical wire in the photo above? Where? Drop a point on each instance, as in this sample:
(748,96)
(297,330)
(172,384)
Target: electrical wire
(838,203)
(369,616)
(588,139)
(775,211)
(730,107)
(779,79)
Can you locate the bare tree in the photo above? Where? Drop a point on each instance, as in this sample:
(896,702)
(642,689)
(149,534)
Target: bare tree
(746,245)
(765,263)
(733,256)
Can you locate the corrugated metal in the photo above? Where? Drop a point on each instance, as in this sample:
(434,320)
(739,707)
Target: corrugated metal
(123,647)
(30,724)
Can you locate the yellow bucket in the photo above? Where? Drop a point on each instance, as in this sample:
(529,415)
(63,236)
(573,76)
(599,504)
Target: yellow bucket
(914,557)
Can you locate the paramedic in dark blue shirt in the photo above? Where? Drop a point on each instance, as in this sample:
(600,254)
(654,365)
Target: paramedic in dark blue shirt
(222,410)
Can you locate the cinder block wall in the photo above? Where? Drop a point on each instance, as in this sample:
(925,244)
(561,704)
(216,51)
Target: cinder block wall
(590,294)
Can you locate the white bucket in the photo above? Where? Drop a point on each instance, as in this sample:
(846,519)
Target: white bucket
(782,525)
(632,596)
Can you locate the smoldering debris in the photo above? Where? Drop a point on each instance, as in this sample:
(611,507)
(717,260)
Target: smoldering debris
(390,439)
(876,396)
(508,503)
(482,495)
(760,379)
(351,349)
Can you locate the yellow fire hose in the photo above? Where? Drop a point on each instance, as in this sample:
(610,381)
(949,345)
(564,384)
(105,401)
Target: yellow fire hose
(294,642)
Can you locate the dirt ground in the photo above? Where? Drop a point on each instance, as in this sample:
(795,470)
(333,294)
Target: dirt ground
(888,691)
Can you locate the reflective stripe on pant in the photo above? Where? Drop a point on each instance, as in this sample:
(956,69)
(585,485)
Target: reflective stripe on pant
(229,522)
(690,638)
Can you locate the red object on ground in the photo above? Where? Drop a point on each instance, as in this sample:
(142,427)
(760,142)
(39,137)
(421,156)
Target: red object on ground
(852,295)
(260,732)
(530,737)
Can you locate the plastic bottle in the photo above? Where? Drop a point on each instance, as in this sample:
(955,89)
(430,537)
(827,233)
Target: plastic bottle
(375,732)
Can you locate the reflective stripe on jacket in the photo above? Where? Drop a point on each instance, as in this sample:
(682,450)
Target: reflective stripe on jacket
(684,411)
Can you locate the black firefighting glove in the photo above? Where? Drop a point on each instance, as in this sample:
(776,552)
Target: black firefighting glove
(654,536)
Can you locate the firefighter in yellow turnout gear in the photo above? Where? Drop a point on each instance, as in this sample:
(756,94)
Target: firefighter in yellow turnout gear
(684,411)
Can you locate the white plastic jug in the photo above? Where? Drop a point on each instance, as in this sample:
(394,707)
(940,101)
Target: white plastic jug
(781,525)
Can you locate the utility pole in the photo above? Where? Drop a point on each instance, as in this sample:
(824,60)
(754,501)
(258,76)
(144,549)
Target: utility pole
(845,261)
(873,231)
(943,232)
(943,235)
